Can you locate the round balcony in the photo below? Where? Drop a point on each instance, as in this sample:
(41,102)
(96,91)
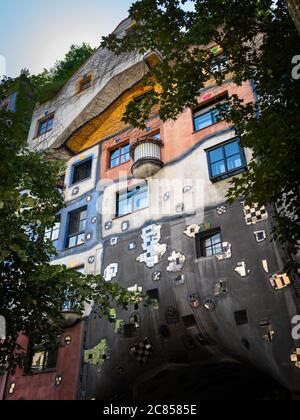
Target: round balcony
(70,318)
(146,156)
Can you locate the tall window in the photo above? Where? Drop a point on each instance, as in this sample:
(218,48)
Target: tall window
(226,160)
(82,171)
(220,64)
(209,243)
(43,357)
(132,200)
(76,228)
(45,125)
(209,114)
(85,82)
(53,233)
(120,155)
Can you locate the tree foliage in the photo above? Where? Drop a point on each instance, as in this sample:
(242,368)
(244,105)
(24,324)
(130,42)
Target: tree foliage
(259,40)
(50,82)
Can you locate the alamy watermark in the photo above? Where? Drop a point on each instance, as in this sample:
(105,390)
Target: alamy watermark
(296,327)
(296,68)
(2,328)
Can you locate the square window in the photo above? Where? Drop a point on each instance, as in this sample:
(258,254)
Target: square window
(82,171)
(43,357)
(85,82)
(226,160)
(45,125)
(120,155)
(241,317)
(208,114)
(189,321)
(209,243)
(132,200)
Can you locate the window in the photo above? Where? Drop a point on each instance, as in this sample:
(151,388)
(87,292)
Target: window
(53,233)
(226,160)
(76,229)
(85,82)
(210,114)
(209,243)
(241,317)
(45,125)
(132,200)
(71,299)
(120,155)
(220,64)
(43,357)
(82,171)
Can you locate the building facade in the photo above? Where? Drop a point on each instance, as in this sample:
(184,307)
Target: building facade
(147,209)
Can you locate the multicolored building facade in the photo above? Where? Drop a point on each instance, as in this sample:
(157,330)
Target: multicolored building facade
(147,209)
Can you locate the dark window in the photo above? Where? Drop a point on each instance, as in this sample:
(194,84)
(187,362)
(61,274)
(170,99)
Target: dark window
(45,125)
(132,200)
(43,357)
(76,228)
(120,155)
(210,113)
(85,82)
(241,317)
(153,294)
(209,243)
(53,233)
(226,160)
(82,171)
(189,321)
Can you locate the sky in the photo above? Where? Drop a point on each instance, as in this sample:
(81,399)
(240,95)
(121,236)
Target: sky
(36,33)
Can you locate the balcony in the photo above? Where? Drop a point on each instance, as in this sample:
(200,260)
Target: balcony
(146,156)
(69,314)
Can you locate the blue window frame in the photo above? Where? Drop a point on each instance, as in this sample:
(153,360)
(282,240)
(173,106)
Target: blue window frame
(226,160)
(82,171)
(132,200)
(45,125)
(120,155)
(76,228)
(209,114)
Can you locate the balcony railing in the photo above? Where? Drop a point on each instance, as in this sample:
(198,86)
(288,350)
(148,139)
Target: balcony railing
(146,156)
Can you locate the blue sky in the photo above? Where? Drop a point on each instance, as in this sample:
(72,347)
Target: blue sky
(35,33)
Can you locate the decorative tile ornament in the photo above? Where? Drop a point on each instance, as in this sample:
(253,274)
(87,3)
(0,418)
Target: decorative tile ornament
(111,272)
(58,380)
(295,358)
(96,356)
(94,219)
(91,260)
(267,331)
(167,196)
(192,230)
(108,225)
(221,210)
(132,246)
(75,191)
(156,276)
(89,198)
(265,265)
(221,288)
(180,208)
(142,351)
(177,261)
(12,387)
(135,289)
(260,235)
(125,226)
(187,189)
(153,249)
(226,252)
(255,214)
(194,300)
(280,281)
(210,304)
(179,280)
(241,269)
(114,241)
(89,236)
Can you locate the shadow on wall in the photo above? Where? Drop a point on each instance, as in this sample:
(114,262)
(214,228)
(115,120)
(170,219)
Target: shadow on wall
(225,381)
